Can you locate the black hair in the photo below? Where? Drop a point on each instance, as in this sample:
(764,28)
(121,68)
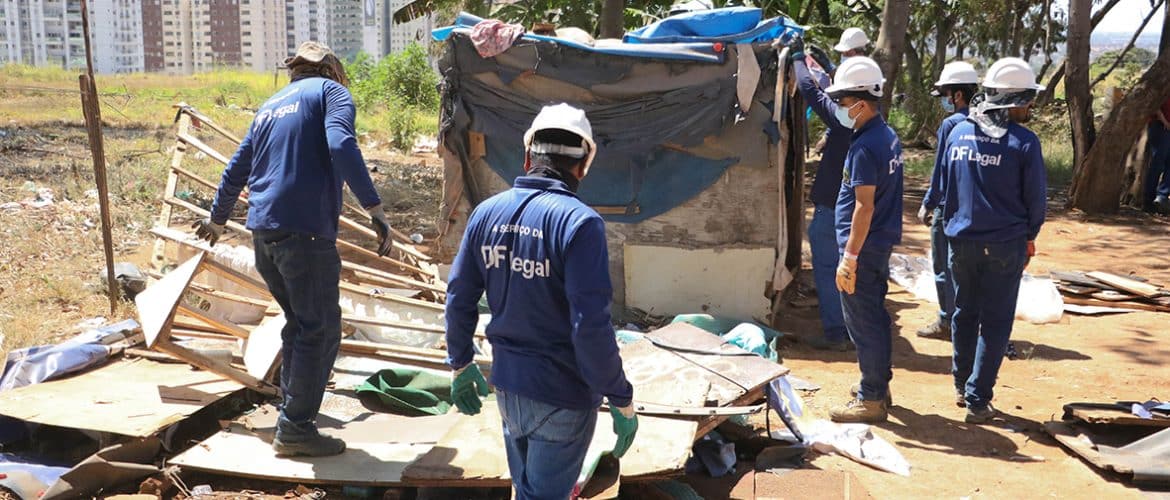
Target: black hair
(968,90)
(561,163)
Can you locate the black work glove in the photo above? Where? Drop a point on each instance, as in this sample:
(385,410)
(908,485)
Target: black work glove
(822,59)
(381,228)
(207,230)
(796,48)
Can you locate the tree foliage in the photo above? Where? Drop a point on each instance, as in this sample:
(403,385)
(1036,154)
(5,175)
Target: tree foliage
(402,78)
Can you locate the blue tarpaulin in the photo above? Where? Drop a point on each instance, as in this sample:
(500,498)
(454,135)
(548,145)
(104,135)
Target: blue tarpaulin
(33,365)
(728,25)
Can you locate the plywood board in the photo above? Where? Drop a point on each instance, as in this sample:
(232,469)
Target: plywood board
(741,367)
(238,452)
(1125,284)
(263,346)
(725,282)
(129,397)
(1098,414)
(473,451)
(663,377)
(156,304)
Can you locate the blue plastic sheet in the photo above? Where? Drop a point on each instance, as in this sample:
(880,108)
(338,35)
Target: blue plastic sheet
(727,25)
(750,337)
(33,365)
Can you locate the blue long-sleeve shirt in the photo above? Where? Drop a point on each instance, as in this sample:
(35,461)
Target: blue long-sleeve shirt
(827,183)
(996,188)
(874,159)
(934,193)
(297,153)
(541,255)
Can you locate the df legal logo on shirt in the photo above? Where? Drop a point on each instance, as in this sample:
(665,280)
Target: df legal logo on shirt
(969,154)
(495,255)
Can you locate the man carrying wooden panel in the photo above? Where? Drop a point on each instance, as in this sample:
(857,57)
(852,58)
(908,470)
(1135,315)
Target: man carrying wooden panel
(298,151)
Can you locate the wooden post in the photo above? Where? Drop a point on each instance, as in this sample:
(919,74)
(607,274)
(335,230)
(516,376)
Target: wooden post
(93,125)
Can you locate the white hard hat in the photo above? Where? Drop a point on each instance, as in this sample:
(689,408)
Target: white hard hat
(958,73)
(852,38)
(564,117)
(1011,73)
(858,74)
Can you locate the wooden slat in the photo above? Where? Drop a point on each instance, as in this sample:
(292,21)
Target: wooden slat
(204,148)
(186,111)
(156,305)
(1141,306)
(222,326)
(1132,286)
(203,362)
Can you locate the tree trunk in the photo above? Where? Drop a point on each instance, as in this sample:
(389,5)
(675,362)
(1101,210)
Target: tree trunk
(1076,87)
(891,44)
(1046,96)
(1099,182)
(1164,45)
(612,23)
(942,38)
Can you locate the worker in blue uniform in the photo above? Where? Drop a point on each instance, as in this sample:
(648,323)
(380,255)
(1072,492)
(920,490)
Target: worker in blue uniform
(540,253)
(996,194)
(297,153)
(869,224)
(955,88)
(822,237)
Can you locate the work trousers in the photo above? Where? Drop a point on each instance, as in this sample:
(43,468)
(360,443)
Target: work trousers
(302,272)
(545,445)
(939,256)
(1158,176)
(822,241)
(868,322)
(986,277)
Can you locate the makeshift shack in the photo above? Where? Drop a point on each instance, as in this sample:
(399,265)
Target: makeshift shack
(698,168)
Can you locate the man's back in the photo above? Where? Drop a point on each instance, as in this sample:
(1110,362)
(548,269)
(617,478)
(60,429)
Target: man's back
(298,152)
(542,258)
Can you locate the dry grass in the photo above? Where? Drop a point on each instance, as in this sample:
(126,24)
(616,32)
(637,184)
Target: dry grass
(51,260)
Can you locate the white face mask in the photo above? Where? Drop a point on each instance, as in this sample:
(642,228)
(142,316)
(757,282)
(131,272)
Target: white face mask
(842,114)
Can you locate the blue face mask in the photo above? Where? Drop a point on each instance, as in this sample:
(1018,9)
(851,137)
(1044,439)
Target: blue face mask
(842,114)
(947,104)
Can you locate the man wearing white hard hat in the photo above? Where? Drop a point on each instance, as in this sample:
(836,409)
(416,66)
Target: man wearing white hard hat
(853,43)
(995,202)
(540,254)
(955,88)
(869,224)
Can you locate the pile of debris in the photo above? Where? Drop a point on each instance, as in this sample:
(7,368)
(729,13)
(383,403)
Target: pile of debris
(1100,292)
(1128,438)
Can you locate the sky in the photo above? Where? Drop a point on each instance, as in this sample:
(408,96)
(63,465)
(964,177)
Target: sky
(1125,17)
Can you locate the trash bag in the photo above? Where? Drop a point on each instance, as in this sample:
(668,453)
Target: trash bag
(131,280)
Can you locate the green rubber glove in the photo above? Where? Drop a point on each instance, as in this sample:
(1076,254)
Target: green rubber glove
(625,425)
(467,386)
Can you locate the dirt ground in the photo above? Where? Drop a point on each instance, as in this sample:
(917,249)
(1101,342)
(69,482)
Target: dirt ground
(1097,359)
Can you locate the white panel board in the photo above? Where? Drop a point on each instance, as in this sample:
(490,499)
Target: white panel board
(722,282)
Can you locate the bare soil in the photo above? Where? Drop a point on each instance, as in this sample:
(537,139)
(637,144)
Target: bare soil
(1092,359)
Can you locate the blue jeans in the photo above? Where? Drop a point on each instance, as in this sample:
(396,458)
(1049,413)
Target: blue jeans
(1158,175)
(939,255)
(822,240)
(302,272)
(545,444)
(987,282)
(868,322)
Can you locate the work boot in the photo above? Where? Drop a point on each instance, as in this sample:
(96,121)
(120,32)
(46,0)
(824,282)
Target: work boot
(980,416)
(938,330)
(823,344)
(858,411)
(318,445)
(856,389)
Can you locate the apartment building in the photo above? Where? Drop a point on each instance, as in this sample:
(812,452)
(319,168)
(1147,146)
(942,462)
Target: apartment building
(50,33)
(201,35)
(340,24)
(403,34)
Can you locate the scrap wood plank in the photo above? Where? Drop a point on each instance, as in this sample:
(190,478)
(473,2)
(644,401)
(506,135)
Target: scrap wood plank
(237,452)
(1105,414)
(472,453)
(662,377)
(741,367)
(263,348)
(1128,285)
(1079,279)
(128,397)
(1141,306)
